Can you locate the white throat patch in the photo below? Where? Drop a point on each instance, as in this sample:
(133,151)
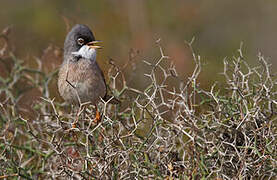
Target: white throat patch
(86,52)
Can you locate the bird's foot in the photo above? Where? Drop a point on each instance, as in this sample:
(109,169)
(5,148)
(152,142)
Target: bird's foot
(97,117)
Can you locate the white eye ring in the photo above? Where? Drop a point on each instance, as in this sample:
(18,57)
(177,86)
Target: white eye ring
(81,41)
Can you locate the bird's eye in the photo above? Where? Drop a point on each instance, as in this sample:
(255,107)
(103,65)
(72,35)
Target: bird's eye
(81,41)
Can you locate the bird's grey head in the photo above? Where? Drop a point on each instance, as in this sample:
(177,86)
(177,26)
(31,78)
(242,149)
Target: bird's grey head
(79,37)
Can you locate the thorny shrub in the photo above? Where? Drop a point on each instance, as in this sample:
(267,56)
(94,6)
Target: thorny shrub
(167,130)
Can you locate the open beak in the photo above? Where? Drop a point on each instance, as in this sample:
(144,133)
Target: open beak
(93,44)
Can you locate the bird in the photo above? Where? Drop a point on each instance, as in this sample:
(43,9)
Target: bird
(80,79)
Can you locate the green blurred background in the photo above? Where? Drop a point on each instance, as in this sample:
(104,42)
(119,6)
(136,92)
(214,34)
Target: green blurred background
(218,27)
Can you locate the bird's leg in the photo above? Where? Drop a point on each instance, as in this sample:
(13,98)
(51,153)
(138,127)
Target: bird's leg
(76,117)
(74,124)
(97,115)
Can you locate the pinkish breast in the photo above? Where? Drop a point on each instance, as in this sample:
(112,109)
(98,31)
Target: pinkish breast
(86,77)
